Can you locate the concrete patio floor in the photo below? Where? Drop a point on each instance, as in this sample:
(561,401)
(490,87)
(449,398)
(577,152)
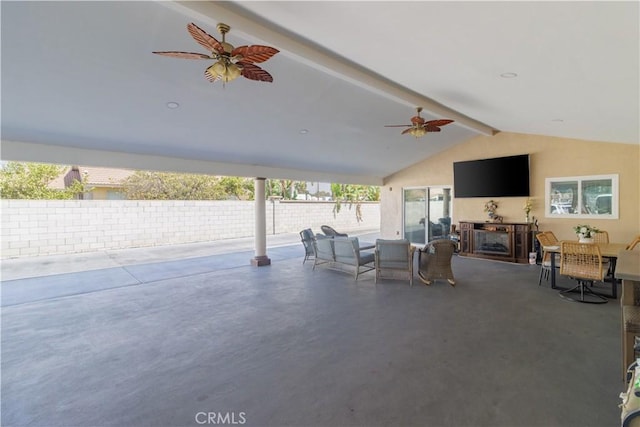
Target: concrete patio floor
(157,341)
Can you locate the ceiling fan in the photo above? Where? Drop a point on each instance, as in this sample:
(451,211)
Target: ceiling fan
(419,127)
(230,62)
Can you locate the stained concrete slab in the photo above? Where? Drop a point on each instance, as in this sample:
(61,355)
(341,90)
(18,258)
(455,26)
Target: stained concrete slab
(22,291)
(130,267)
(20,268)
(287,345)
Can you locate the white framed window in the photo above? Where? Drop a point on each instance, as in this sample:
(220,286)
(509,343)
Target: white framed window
(592,196)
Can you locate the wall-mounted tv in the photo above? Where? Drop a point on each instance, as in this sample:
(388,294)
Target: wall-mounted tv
(497,177)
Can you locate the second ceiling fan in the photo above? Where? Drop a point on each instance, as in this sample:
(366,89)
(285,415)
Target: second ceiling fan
(419,127)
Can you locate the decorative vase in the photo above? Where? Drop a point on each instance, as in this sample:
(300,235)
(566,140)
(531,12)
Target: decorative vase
(582,239)
(526,219)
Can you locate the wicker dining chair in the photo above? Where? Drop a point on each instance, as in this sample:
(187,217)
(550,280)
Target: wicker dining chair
(552,237)
(634,243)
(582,262)
(434,261)
(601,237)
(546,239)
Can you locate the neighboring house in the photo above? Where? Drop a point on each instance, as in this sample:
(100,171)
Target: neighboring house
(102,183)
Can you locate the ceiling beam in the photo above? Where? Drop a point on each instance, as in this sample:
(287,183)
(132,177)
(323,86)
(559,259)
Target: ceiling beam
(317,57)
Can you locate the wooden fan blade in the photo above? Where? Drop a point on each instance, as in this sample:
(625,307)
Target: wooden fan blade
(205,40)
(397,126)
(254,53)
(431,128)
(440,122)
(406,131)
(417,120)
(253,72)
(184,55)
(210,77)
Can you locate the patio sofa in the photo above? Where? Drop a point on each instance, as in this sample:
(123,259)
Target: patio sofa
(343,252)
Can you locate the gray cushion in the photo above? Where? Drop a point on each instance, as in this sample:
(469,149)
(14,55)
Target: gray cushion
(367,257)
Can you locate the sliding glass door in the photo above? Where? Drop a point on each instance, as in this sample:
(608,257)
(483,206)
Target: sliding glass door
(427,214)
(415,212)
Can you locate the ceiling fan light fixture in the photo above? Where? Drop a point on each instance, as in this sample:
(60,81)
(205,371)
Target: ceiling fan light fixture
(225,70)
(233,71)
(418,132)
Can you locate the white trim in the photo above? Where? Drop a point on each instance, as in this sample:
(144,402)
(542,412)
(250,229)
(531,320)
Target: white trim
(578,181)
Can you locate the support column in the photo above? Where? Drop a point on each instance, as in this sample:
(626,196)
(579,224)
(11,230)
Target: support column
(261,258)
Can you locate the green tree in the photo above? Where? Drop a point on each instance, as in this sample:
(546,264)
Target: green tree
(241,188)
(151,185)
(353,195)
(285,188)
(20,180)
(147,185)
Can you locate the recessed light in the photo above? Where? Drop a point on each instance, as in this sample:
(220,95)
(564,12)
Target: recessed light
(508,75)
(304,131)
(172,105)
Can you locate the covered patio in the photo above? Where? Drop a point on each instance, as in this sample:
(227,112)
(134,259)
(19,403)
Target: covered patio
(286,345)
(171,343)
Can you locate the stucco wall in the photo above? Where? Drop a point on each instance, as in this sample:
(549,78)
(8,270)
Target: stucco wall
(46,227)
(549,157)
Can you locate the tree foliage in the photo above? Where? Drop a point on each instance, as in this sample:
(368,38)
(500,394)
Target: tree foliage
(353,195)
(286,189)
(147,185)
(240,188)
(20,180)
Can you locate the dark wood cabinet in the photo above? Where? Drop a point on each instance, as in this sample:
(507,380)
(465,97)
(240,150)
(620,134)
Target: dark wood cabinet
(510,242)
(466,229)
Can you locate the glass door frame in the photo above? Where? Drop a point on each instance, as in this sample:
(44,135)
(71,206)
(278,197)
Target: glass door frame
(443,229)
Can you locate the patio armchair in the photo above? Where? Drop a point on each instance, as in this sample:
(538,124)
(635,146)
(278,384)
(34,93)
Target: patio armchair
(331,232)
(307,237)
(434,261)
(394,256)
(347,252)
(323,250)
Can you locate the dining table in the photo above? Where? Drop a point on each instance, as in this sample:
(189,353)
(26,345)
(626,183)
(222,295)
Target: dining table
(607,250)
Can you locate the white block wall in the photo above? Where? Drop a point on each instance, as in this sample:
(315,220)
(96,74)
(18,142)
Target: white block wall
(48,227)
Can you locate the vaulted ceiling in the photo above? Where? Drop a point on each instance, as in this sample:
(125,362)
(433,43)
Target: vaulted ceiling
(80,84)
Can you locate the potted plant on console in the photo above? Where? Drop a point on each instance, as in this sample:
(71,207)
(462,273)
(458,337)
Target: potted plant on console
(490,207)
(585,233)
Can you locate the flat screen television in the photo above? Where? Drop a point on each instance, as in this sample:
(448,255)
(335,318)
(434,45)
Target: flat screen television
(497,177)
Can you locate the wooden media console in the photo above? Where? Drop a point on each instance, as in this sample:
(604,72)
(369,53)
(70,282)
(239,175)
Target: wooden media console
(510,242)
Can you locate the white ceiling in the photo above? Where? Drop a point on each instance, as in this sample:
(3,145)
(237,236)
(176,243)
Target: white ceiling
(82,75)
